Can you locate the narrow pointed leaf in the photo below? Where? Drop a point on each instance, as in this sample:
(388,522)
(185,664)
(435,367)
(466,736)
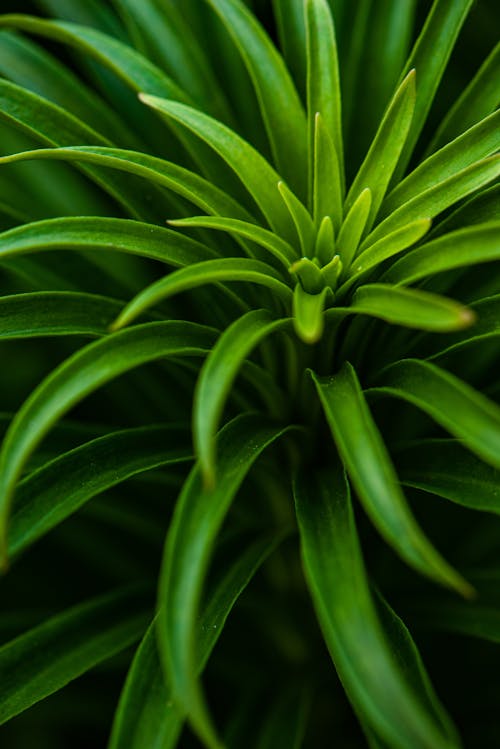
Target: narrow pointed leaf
(411,307)
(374,478)
(381,160)
(327,183)
(54,313)
(280,105)
(49,495)
(438,198)
(301,218)
(429,57)
(84,372)
(477,244)
(477,143)
(46,658)
(323,81)
(105,234)
(445,468)
(199,274)
(455,405)
(217,376)
(486,326)
(259,178)
(198,516)
(353,227)
(359,647)
(146,714)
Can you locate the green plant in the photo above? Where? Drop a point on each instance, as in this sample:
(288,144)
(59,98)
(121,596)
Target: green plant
(315,359)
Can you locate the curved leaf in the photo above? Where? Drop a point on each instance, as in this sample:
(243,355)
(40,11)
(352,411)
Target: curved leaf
(455,405)
(280,105)
(210,271)
(198,516)
(370,468)
(217,376)
(361,650)
(84,372)
(49,495)
(48,657)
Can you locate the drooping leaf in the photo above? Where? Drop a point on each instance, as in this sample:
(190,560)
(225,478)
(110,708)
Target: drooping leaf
(84,372)
(217,376)
(48,657)
(198,274)
(460,409)
(198,516)
(367,460)
(361,650)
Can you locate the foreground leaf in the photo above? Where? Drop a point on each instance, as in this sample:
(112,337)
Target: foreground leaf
(359,647)
(370,468)
(198,516)
(45,659)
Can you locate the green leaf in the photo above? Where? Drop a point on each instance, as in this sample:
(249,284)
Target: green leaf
(301,218)
(210,271)
(477,143)
(370,468)
(445,468)
(182,181)
(455,405)
(477,244)
(360,649)
(198,516)
(81,374)
(218,374)
(376,170)
(49,495)
(103,234)
(486,326)
(46,658)
(478,100)
(327,184)
(436,199)
(256,174)
(292,37)
(287,719)
(50,313)
(323,82)
(282,250)
(429,57)
(411,307)
(353,227)
(147,715)
(308,318)
(279,102)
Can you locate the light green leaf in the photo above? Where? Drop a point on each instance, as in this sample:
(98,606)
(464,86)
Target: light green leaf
(411,307)
(455,405)
(367,460)
(360,649)
(181,181)
(48,657)
(477,143)
(445,468)
(53,492)
(282,250)
(308,309)
(199,274)
(147,715)
(279,102)
(105,234)
(198,516)
(216,377)
(429,57)
(258,177)
(301,218)
(376,170)
(436,199)
(478,100)
(323,82)
(486,326)
(50,313)
(477,244)
(327,184)
(81,374)
(353,227)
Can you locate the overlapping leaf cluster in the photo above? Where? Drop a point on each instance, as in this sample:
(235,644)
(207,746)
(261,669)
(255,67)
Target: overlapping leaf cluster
(331,351)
